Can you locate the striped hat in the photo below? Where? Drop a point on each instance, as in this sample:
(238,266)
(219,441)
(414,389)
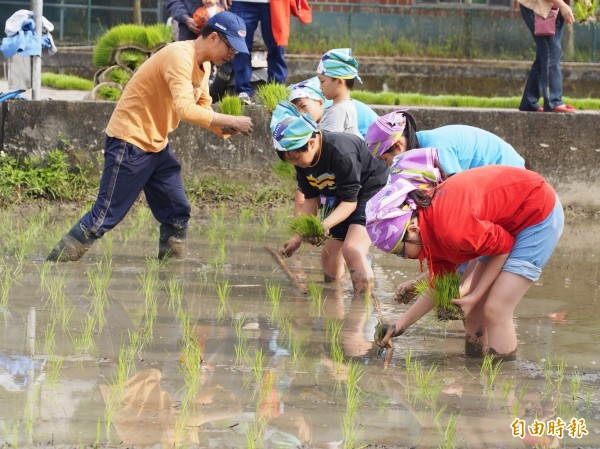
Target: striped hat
(339,63)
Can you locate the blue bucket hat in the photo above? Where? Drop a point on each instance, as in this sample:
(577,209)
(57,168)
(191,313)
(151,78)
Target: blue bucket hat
(339,63)
(233,27)
(291,130)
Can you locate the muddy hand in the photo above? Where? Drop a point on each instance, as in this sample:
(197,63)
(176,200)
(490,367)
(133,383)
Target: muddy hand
(291,246)
(405,292)
(384,333)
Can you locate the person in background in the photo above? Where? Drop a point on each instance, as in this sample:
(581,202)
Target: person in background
(459,147)
(182,11)
(309,99)
(170,86)
(338,167)
(507,218)
(545,78)
(208,9)
(337,72)
(253,12)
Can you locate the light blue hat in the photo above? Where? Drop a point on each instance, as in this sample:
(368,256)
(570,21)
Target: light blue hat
(291,130)
(310,88)
(339,63)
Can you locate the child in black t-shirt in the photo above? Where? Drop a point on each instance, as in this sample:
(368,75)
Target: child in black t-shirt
(338,167)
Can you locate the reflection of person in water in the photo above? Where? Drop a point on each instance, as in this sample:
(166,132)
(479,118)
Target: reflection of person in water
(146,414)
(15,369)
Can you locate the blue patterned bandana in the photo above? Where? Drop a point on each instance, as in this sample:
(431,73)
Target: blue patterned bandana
(291,130)
(310,88)
(339,63)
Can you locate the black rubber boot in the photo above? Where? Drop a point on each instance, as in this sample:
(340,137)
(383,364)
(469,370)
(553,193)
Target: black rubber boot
(172,242)
(73,245)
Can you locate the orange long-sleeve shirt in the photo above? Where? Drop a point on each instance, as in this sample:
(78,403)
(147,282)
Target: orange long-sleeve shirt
(169,87)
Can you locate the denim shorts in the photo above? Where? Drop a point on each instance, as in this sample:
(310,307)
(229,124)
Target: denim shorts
(534,245)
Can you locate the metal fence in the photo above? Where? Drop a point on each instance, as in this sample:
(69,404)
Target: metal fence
(457,28)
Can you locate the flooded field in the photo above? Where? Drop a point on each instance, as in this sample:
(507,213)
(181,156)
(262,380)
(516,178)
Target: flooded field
(220,350)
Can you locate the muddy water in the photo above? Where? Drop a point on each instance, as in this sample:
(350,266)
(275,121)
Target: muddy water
(102,352)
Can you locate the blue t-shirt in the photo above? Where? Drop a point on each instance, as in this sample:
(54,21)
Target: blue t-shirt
(365,116)
(461,147)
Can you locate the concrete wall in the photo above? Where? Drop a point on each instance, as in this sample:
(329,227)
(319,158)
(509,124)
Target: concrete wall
(565,148)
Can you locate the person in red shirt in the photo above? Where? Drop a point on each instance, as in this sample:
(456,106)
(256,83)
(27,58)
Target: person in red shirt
(508,218)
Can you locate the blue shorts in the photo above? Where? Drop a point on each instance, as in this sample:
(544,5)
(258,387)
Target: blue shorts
(534,245)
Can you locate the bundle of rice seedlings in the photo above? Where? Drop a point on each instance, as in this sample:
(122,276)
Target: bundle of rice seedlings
(284,169)
(231,105)
(108,93)
(71,82)
(118,75)
(128,34)
(130,58)
(443,289)
(307,226)
(585,11)
(270,94)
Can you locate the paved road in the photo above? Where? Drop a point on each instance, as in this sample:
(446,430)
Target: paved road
(49,94)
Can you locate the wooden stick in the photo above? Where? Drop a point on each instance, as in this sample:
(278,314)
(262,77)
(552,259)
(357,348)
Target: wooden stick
(278,257)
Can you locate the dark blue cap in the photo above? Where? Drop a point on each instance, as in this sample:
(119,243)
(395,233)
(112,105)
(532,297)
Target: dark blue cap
(233,27)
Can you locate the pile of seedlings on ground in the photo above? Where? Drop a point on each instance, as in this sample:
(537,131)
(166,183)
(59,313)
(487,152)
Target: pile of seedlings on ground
(118,54)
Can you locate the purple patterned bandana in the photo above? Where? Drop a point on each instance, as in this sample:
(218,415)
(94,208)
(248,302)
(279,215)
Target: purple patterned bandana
(385,132)
(417,167)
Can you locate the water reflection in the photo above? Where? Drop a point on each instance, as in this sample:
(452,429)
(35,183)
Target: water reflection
(137,382)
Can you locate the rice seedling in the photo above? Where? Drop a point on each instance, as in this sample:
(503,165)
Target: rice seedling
(333,332)
(49,347)
(308,226)
(489,370)
(241,345)
(274,292)
(284,169)
(9,433)
(354,398)
(408,361)
(296,347)
(231,105)
(223,292)
(427,388)
(506,386)
(99,278)
(588,395)
(6,283)
(109,93)
(584,11)
(254,434)
(175,288)
(53,368)
(84,343)
(149,283)
(438,415)
(122,35)
(63,81)
(190,369)
(450,432)
(575,384)
(442,290)
(258,368)
(270,94)
(315,294)
(518,398)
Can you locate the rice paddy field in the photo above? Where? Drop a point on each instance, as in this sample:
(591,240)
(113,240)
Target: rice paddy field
(221,350)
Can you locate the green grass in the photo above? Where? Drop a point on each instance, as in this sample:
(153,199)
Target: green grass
(284,169)
(458,101)
(66,82)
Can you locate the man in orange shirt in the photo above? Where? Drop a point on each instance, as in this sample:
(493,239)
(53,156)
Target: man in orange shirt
(170,86)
